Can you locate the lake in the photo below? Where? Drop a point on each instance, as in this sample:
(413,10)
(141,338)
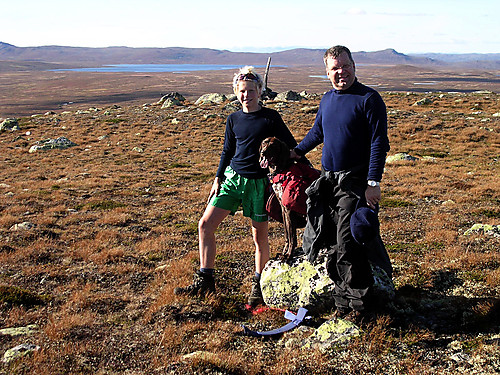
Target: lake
(154,68)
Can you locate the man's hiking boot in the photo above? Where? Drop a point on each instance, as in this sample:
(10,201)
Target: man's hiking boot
(255,297)
(340,313)
(203,284)
(357,317)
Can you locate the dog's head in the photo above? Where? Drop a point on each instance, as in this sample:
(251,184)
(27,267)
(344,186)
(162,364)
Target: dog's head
(274,154)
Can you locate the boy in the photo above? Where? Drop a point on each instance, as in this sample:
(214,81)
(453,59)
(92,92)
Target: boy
(240,181)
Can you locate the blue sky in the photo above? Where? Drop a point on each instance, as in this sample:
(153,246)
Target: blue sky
(408,26)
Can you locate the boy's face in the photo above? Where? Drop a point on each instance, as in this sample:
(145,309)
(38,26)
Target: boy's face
(248,95)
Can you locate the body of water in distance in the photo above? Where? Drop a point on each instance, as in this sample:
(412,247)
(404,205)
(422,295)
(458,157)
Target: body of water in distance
(154,68)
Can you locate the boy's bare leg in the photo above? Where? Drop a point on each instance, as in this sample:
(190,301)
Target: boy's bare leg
(260,231)
(207,226)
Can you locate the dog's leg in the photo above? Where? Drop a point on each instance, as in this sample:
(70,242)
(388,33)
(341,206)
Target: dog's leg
(293,230)
(290,233)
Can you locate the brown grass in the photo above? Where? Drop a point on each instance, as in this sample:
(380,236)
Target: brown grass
(116,232)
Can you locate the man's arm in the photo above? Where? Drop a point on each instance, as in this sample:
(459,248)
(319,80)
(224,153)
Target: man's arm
(377,117)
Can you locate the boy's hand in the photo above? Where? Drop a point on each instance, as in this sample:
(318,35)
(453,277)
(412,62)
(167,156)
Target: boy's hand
(215,189)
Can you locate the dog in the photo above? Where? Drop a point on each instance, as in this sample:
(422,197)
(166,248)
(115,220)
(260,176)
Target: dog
(289,180)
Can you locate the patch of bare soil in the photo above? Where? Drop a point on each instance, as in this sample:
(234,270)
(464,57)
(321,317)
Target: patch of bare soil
(115,231)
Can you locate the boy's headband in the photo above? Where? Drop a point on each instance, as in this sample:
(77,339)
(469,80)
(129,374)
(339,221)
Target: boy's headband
(247,77)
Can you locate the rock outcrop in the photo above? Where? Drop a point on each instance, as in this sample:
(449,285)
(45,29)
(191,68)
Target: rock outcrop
(211,98)
(50,144)
(400,157)
(9,124)
(288,96)
(303,284)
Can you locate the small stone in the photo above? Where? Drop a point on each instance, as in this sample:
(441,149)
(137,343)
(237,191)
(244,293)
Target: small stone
(212,98)
(19,331)
(19,351)
(288,96)
(424,101)
(399,157)
(23,226)
(10,124)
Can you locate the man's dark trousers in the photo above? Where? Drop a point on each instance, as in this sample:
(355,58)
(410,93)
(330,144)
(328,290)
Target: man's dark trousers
(348,264)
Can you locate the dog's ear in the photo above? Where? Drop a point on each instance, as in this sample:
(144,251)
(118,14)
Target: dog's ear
(266,143)
(283,153)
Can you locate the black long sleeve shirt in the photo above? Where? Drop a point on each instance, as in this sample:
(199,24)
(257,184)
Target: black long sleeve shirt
(244,134)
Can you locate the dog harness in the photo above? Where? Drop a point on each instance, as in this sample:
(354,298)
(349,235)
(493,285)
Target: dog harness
(292,185)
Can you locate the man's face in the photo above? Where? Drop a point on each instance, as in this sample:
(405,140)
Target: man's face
(340,71)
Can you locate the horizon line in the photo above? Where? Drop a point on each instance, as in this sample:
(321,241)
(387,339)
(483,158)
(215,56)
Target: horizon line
(255,49)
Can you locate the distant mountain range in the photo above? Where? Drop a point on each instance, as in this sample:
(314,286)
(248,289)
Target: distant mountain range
(44,56)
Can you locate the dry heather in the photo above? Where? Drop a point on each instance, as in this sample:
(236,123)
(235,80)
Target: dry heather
(115,230)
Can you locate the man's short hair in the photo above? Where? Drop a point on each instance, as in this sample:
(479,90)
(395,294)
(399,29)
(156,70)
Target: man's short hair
(335,52)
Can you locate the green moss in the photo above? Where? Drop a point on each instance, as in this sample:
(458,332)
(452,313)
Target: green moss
(115,120)
(392,202)
(163,184)
(410,248)
(178,165)
(196,177)
(104,205)
(167,216)
(188,229)
(231,308)
(475,275)
(435,153)
(13,295)
(494,214)
(155,257)
(472,345)
(43,193)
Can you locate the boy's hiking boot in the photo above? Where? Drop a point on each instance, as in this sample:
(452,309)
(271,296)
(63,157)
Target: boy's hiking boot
(255,297)
(202,285)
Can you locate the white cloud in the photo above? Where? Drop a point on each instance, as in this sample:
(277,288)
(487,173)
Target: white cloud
(355,12)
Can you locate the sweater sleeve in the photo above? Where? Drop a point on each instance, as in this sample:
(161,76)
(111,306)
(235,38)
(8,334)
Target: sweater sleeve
(313,138)
(228,149)
(376,114)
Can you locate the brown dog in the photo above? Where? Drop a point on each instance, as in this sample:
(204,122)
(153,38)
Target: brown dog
(289,181)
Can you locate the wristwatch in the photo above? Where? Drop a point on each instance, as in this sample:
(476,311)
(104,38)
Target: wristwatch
(373,183)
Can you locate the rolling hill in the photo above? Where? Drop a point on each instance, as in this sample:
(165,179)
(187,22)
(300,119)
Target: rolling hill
(85,56)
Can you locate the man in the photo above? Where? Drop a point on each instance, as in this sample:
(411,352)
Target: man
(352,125)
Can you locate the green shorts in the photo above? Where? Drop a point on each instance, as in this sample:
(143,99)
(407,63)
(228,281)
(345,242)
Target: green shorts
(248,192)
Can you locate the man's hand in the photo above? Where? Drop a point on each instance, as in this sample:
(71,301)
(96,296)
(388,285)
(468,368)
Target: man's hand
(373,196)
(293,155)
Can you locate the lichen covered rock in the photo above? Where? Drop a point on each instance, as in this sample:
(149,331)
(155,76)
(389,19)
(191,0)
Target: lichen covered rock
(399,157)
(332,332)
(50,144)
(303,284)
(211,98)
(10,124)
(492,230)
(299,284)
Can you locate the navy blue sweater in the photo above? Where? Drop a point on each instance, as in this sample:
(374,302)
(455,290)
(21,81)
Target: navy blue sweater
(244,134)
(352,125)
